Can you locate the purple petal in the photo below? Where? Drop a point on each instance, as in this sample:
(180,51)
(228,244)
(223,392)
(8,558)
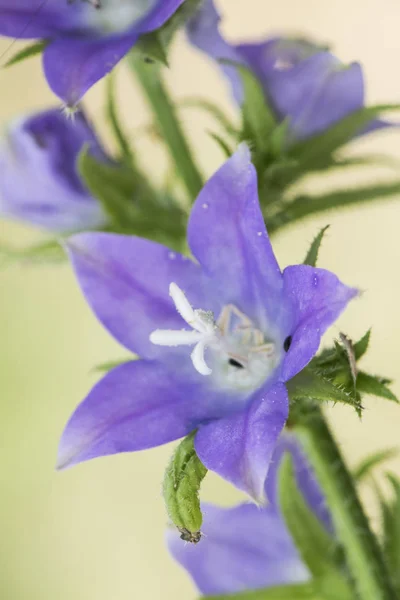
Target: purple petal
(39,182)
(39,18)
(318,297)
(316,93)
(227,235)
(243,548)
(126,281)
(203,33)
(137,405)
(84,61)
(305,477)
(162,11)
(239,447)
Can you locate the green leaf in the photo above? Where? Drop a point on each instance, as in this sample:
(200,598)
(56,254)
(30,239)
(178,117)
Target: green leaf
(375,386)
(132,206)
(302,591)
(181,487)
(304,206)
(309,384)
(27,52)
(215,111)
(317,548)
(112,115)
(312,254)
(361,347)
(391,522)
(227,151)
(258,119)
(48,252)
(368,464)
(151,46)
(313,149)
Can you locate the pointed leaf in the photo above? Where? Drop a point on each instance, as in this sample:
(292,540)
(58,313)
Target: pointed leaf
(317,548)
(27,52)
(151,46)
(361,347)
(312,254)
(311,150)
(258,119)
(368,464)
(309,384)
(181,487)
(227,151)
(108,366)
(304,206)
(391,517)
(374,385)
(116,127)
(47,252)
(215,111)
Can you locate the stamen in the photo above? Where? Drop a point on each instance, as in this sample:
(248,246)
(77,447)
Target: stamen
(203,324)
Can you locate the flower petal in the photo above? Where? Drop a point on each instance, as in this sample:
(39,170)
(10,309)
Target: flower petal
(138,405)
(227,235)
(239,447)
(203,33)
(160,13)
(39,182)
(316,93)
(39,18)
(84,61)
(305,477)
(126,281)
(243,548)
(318,297)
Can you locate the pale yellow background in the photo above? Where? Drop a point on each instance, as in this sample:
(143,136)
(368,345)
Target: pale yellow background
(96,532)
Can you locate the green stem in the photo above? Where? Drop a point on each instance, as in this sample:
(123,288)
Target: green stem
(148,75)
(364,557)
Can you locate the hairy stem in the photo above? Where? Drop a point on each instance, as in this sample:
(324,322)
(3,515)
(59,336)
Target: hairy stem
(164,112)
(364,557)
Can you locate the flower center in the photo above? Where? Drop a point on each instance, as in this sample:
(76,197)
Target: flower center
(239,353)
(112,16)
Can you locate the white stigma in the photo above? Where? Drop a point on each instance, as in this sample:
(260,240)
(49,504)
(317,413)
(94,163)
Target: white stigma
(204,331)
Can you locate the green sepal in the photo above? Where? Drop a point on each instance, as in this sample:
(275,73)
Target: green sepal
(48,252)
(27,52)
(312,254)
(370,462)
(258,119)
(132,206)
(361,347)
(151,46)
(375,386)
(181,487)
(110,365)
(222,143)
(314,386)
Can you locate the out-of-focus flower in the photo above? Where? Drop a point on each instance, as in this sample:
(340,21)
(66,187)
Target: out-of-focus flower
(220,366)
(308,86)
(86,38)
(245,547)
(39,181)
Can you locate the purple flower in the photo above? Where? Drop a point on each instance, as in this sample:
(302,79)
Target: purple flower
(246,548)
(39,182)
(309,87)
(219,367)
(87,38)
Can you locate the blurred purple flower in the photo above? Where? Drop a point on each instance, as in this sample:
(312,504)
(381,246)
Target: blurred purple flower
(303,83)
(87,38)
(245,548)
(253,328)
(39,182)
